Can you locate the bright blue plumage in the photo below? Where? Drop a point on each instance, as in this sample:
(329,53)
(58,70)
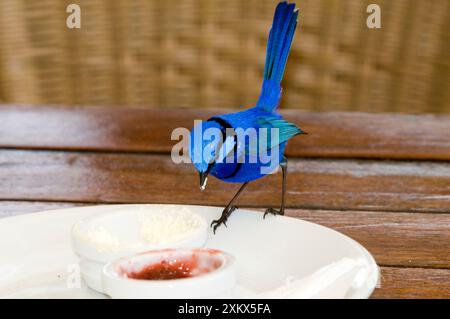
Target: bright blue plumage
(246,161)
(278,47)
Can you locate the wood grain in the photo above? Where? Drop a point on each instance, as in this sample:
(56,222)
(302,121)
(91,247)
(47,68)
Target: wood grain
(344,135)
(141,178)
(397,209)
(413,283)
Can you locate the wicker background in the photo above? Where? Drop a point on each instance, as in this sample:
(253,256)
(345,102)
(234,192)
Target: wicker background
(210,53)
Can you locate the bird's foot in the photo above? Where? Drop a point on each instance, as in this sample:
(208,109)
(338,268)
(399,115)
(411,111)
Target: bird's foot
(223,218)
(273,211)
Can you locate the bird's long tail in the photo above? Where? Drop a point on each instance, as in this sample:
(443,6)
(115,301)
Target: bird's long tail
(278,47)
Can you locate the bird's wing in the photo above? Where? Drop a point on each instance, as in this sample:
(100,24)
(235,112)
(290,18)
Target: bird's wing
(277,132)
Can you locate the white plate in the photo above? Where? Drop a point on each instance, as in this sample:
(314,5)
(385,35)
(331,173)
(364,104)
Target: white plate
(36,259)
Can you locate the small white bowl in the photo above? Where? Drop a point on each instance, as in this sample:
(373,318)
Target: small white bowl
(212,275)
(120,236)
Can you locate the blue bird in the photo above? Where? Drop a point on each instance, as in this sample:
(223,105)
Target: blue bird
(250,143)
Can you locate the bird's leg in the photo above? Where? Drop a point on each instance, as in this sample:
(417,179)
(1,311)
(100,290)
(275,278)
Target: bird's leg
(227,210)
(273,211)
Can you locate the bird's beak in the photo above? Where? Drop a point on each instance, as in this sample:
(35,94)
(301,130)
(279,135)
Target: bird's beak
(203,180)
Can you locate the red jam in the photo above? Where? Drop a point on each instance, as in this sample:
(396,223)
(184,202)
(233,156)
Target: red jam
(177,268)
(165,270)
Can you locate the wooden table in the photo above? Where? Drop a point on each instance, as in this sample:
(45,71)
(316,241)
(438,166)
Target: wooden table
(383,180)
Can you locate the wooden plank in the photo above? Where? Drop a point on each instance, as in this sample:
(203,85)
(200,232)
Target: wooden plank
(411,283)
(347,135)
(141,178)
(394,239)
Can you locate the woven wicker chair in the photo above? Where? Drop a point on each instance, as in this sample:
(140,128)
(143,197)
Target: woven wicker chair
(210,53)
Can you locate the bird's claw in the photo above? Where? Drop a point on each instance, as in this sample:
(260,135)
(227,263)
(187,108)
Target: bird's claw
(223,218)
(272,211)
(216,223)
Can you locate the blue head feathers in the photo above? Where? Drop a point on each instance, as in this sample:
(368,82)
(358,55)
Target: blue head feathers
(209,148)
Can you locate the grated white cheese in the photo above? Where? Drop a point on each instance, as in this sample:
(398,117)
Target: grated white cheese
(146,227)
(164,226)
(100,237)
